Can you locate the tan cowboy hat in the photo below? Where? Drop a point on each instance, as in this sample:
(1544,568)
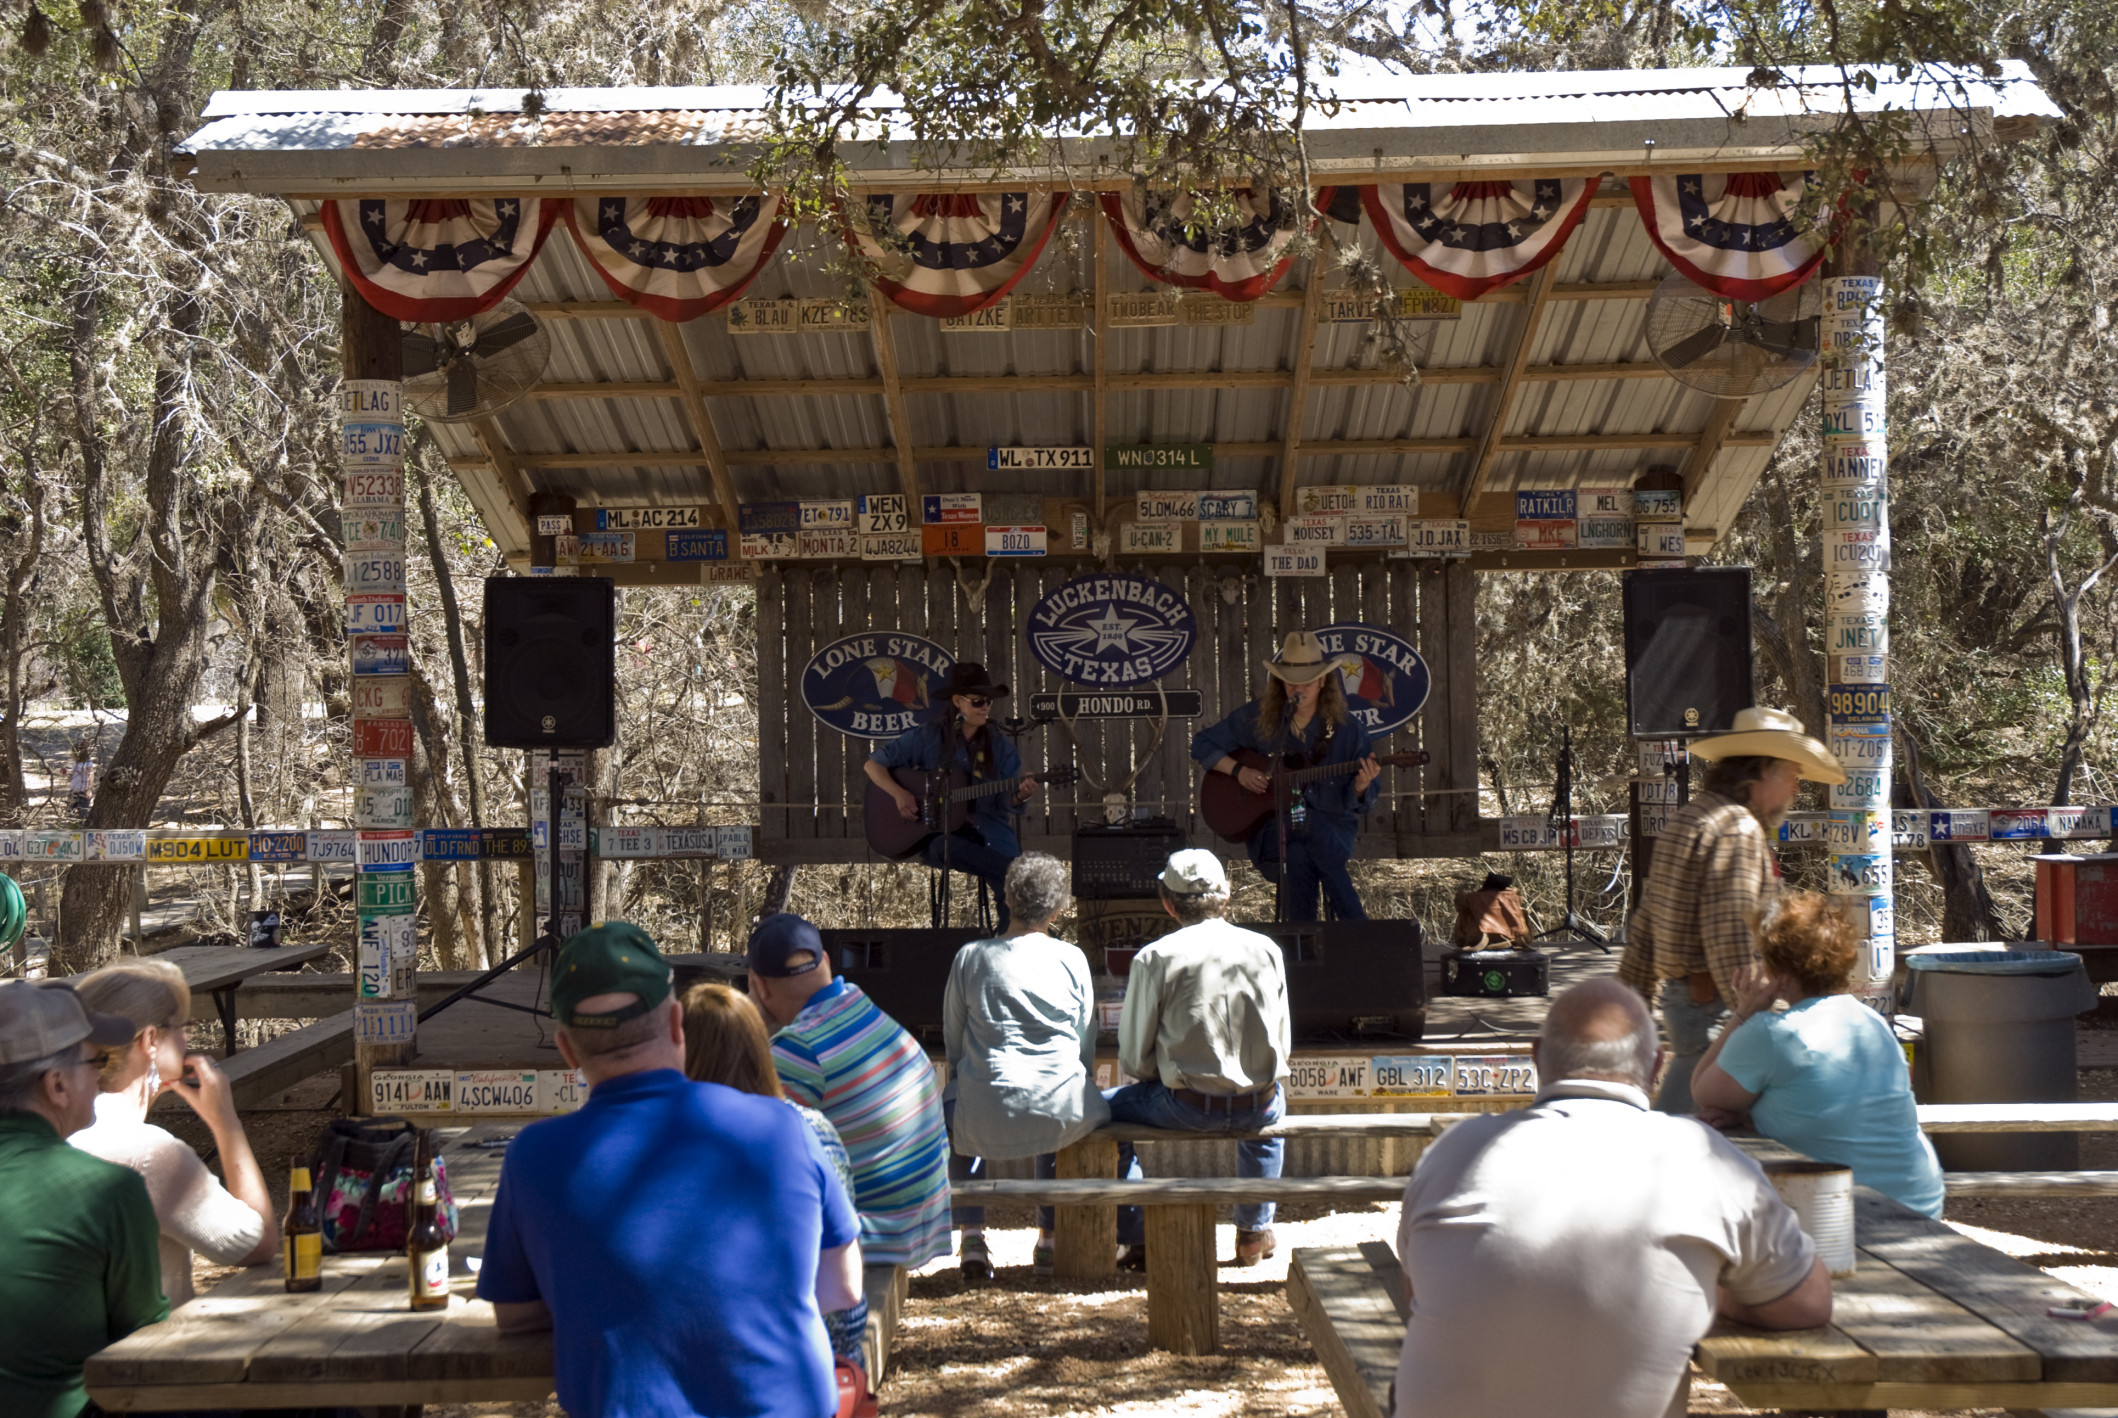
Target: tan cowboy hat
(1301,659)
(1772,733)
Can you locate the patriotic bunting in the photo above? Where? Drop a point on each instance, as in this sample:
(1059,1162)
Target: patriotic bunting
(945,254)
(677,257)
(1474,237)
(1238,263)
(437,258)
(1733,233)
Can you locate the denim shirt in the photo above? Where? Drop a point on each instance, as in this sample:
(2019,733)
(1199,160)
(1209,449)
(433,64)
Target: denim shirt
(922,748)
(1331,799)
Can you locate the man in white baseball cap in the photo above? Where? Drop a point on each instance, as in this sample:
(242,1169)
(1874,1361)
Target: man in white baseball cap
(83,1265)
(1207,1032)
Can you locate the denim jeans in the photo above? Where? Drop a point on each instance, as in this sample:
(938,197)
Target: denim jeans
(966,851)
(1151,1104)
(1691,1029)
(1316,867)
(965,1168)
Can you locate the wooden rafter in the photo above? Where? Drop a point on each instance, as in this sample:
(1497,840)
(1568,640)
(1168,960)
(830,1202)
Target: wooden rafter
(1323,448)
(1298,383)
(1079,383)
(1099,365)
(1518,359)
(1711,440)
(701,420)
(900,413)
(507,472)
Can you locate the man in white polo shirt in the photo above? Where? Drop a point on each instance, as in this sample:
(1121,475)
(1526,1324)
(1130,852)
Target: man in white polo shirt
(1588,1231)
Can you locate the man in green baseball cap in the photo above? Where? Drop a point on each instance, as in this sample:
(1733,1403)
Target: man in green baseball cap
(679,1239)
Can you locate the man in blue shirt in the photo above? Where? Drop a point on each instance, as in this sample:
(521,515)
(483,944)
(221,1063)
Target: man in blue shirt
(681,1240)
(962,739)
(1303,710)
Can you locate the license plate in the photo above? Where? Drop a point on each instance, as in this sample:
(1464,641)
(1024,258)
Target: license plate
(1331,1077)
(385,1022)
(382,738)
(1504,1073)
(412,1090)
(1413,1076)
(382,697)
(381,655)
(370,613)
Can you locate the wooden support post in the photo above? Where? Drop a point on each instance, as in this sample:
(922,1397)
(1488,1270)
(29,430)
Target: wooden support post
(899,413)
(1540,294)
(1298,394)
(1183,1310)
(701,418)
(1099,356)
(371,411)
(1085,1238)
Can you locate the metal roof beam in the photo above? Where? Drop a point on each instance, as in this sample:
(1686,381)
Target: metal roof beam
(1711,440)
(893,393)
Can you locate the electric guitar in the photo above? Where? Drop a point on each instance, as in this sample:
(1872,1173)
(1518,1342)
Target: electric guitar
(944,805)
(1234,812)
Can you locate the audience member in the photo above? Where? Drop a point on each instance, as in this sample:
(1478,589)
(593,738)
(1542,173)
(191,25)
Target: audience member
(1019,1026)
(1597,1235)
(1206,1031)
(77,1233)
(232,1224)
(725,1042)
(679,1239)
(1827,1077)
(839,1054)
(1711,880)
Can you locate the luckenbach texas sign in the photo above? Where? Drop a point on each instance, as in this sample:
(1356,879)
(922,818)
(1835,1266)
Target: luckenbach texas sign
(1115,629)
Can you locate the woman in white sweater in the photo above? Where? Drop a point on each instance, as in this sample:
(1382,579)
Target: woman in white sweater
(229,1225)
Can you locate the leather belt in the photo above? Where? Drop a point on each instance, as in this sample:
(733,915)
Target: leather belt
(1224,1102)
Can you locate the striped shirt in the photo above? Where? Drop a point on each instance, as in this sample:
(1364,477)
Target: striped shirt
(855,1065)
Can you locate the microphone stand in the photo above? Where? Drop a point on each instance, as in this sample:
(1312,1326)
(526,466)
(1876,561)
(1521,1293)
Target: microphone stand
(939,801)
(1562,820)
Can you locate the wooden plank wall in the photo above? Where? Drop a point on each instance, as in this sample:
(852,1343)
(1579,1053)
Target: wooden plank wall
(811,776)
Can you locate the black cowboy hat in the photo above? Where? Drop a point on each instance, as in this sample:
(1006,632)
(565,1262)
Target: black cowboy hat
(968,677)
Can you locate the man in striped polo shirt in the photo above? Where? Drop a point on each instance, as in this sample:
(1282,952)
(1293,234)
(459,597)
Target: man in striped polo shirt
(838,1053)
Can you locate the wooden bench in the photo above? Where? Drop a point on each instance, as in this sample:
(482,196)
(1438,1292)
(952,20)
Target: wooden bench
(219,971)
(1352,1306)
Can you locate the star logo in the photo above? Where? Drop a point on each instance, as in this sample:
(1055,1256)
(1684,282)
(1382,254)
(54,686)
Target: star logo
(1113,631)
(1015,202)
(505,208)
(374,215)
(636,250)
(1691,186)
(419,260)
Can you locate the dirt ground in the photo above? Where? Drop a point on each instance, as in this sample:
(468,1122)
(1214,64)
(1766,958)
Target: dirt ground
(1025,1348)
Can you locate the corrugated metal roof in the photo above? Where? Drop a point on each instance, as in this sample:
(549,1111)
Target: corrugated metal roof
(597,341)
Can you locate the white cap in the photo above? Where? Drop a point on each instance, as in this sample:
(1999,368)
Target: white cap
(1194,872)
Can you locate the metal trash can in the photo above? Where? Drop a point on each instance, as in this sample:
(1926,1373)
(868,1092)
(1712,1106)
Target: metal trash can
(1999,1029)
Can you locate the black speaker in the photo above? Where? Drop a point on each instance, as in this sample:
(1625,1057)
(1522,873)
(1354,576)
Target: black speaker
(1352,981)
(905,971)
(551,661)
(1687,650)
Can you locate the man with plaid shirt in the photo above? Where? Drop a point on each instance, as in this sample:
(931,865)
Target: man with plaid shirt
(1711,879)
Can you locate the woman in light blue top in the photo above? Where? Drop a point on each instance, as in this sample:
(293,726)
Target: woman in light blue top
(1019,1026)
(1827,1077)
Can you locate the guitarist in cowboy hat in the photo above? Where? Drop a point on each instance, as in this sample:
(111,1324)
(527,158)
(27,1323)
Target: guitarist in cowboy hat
(960,737)
(1303,711)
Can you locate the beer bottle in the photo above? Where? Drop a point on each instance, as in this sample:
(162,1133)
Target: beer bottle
(301,1236)
(425,1246)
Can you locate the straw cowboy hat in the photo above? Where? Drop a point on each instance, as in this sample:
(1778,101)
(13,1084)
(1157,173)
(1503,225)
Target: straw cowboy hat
(1301,659)
(1772,733)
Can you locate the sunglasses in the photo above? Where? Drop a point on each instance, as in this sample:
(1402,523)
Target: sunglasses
(979,701)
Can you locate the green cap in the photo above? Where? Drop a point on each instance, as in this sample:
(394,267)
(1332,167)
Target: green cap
(611,958)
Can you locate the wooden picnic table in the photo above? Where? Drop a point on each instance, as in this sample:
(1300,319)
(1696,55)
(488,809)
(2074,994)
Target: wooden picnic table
(219,970)
(247,1343)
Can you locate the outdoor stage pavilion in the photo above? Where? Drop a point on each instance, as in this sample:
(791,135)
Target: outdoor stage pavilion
(1543,383)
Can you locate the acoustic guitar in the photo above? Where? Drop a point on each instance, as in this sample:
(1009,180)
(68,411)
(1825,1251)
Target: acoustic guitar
(1234,812)
(944,805)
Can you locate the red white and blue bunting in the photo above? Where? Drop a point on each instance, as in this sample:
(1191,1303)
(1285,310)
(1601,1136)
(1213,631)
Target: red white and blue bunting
(677,257)
(1734,233)
(945,254)
(1235,263)
(1473,237)
(437,258)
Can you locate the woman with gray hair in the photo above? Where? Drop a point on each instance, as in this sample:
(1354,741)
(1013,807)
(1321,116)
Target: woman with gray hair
(1019,1026)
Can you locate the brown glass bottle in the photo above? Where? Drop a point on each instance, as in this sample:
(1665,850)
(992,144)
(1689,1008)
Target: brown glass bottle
(301,1245)
(425,1246)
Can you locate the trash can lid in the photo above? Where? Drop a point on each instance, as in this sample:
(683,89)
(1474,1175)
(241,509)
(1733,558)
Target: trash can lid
(1998,962)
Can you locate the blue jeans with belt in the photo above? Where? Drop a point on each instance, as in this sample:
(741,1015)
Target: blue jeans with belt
(1691,1028)
(1151,1104)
